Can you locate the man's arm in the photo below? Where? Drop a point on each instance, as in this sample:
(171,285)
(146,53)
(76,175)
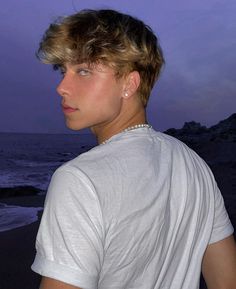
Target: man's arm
(219,264)
(49,283)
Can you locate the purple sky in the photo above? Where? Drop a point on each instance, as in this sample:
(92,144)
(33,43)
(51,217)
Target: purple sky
(198,82)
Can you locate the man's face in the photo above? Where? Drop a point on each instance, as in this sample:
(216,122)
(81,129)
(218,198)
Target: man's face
(91,95)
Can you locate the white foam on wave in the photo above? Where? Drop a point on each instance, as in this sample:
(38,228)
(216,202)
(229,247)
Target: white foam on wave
(12,217)
(15,179)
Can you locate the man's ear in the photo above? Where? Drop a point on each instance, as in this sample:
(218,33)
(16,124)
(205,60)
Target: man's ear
(131,84)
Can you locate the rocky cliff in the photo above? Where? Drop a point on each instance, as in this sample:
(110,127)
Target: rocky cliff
(193,132)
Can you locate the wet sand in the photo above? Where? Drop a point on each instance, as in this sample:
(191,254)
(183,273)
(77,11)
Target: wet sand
(17,250)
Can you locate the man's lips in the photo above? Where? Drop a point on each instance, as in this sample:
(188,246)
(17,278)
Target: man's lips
(68,109)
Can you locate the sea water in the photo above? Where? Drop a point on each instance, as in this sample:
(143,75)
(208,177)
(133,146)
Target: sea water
(30,160)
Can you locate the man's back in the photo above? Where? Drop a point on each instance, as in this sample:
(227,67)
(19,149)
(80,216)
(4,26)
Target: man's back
(149,207)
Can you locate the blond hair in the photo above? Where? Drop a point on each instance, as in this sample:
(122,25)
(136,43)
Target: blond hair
(108,37)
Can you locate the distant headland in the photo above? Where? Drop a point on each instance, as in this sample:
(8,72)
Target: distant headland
(193,131)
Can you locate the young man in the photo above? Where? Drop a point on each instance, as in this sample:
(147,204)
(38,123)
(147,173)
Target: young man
(140,210)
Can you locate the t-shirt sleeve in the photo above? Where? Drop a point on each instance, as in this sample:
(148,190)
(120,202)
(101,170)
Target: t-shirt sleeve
(70,239)
(222,226)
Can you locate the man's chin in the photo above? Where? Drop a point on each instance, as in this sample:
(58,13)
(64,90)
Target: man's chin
(74,127)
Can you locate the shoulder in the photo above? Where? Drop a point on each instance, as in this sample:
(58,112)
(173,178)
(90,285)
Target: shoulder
(69,183)
(130,150)
(88,164)
(185,160)
(80,176)
(173,143)
(127,146)
(178,150)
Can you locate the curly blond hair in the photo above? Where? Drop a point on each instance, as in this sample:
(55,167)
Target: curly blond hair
(109,37)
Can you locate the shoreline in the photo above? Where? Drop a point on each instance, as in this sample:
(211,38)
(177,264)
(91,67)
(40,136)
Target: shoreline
(18,217)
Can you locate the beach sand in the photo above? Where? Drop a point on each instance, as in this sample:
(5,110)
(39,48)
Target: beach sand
(17,250)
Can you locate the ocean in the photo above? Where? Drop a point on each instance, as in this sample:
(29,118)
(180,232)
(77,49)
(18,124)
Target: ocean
(30,160)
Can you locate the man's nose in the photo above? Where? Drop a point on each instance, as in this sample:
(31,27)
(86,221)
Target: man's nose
(63,88)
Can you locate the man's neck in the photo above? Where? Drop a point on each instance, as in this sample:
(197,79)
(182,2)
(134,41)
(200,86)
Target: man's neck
(104,132)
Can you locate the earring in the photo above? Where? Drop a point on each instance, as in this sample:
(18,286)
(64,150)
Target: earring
(126,94)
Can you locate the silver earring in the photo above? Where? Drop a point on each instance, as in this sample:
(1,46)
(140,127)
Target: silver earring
(126,94)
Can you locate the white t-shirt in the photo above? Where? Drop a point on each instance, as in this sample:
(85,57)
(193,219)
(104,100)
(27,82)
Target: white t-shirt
(137,212)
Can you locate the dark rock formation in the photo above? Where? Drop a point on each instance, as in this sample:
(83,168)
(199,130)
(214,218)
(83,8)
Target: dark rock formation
(193,132)
(225,129)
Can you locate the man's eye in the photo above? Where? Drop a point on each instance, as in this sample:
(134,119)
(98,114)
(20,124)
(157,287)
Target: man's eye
(83,71)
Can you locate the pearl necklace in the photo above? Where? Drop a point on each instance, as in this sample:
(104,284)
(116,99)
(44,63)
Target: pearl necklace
(142,125)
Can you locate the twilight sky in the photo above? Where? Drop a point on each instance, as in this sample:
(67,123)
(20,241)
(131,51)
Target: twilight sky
(198,83)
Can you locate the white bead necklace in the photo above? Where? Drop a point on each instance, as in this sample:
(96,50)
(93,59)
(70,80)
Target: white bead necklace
(131,128)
